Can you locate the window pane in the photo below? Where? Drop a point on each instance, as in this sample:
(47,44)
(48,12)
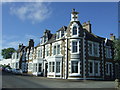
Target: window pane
(53,66)
(95,49)
(107,68)
(96,67)
(74,66)
(49,66)
(74,30)
(91,67)
(57,67)
(40,65)
(58,49)
(74,46)
(62,33)
(90,48)
(54,50)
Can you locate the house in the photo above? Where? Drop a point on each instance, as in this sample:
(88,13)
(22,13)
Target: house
(22,57)
(73,52)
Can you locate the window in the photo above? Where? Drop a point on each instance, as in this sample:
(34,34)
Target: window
(38,53)
(62,33)
(36,67)
(45,39)
(96,67)
(53,65)
(40,67)
(41,52)
(58,49)
(74,46)
(106,68)
(30,66)
(49,66)
(90,48)
(74,30)
(91,67)
(17,55)
(108,52)
(54,53)
(47,51)
(58,35)
(95,49)
(74,66)
(57,67)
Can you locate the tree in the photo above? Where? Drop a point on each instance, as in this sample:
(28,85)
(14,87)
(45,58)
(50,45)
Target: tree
(7,53)
(117,49)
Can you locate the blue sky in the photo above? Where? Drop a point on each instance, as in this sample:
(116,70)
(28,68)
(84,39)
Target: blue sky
(22,21)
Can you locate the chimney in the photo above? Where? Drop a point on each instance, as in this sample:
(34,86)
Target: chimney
(20,45)
(31,43)
(87,26)
(112,37)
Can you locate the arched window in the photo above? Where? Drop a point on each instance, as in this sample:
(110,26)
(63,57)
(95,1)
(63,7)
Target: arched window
(74,30)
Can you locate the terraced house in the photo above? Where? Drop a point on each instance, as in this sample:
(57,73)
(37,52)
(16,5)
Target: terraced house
(73,52)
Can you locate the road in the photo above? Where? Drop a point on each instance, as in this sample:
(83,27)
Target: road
(18,81)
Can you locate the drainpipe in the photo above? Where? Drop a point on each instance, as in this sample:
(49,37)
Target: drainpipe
(103,60)
(83,60)
(66,59)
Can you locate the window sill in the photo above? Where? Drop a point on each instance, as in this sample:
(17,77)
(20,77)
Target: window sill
(75,53)
(74,36)
(75,74)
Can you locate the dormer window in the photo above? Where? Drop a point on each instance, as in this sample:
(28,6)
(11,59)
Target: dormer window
(74,30)
(62,33)
(44,38)
(58,35)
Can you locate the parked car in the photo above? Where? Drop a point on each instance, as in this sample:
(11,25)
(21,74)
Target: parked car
(7,69)
(17,71)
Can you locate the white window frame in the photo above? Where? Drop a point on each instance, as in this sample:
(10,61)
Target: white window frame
(108,50)
(108,73)
(75,40)
(97,74)
(93,68)
(59,48)
(56,44)
(61,33)
(93,54)
(59,67)
(75,74)
(74,24)
(91,74)
(47,50)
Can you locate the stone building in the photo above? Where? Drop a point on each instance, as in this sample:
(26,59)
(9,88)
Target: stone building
(73,52)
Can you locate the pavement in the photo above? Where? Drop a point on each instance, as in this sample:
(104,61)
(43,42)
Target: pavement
(19,81)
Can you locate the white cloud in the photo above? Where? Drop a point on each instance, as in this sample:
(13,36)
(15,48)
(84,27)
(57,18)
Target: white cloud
(35,12)
(14,41)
